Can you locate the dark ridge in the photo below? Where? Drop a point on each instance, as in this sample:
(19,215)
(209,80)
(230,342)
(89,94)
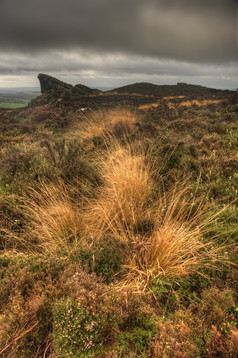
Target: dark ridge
(62,94)
(181,88)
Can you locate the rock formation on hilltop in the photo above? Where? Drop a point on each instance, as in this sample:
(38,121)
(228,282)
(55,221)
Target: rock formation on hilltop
(49,83)
(54,91)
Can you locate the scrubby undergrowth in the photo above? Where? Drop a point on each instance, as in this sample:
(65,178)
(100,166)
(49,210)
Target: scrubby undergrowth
(109,250)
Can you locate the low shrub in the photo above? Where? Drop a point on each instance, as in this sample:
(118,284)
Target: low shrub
(76,332)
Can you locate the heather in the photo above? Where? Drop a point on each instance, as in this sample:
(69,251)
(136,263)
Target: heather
(118,226)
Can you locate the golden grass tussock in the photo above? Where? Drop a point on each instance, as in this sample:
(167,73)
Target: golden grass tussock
(123,197)
(199,103)
(148,105)
(158,237)
(173,97)
(176,247)
(107,123)
(196,102)
(54,219)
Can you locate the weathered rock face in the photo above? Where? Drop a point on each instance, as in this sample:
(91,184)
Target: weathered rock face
(54,91)
(49,83)
(84,90)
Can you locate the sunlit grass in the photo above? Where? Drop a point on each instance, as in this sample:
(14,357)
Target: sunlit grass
(124,196)
(54,220)
(159,236)
(177,246)
(107,123)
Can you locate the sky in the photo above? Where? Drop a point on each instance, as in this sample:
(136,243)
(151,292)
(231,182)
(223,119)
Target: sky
(111,43)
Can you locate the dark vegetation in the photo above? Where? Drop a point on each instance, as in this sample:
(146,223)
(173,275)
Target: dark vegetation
(118,225)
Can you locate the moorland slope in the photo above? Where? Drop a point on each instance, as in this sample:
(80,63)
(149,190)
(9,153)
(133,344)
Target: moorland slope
(118,225)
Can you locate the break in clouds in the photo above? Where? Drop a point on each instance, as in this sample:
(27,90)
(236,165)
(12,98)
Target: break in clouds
(106,40)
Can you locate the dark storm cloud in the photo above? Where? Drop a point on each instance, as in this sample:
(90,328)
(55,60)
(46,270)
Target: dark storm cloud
(202,30)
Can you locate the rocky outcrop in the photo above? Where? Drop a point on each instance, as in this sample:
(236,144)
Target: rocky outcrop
(84,90)
(49,83)
(54,91)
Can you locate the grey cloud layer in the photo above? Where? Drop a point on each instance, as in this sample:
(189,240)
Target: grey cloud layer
(187,30)
(95,69)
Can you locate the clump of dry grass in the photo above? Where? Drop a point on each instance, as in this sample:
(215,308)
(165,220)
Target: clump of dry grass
(123,197)
(177,245)
(54,218)
(108,123)
(158,237)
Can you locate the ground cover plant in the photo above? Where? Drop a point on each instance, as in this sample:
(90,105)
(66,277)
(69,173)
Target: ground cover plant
(119,230)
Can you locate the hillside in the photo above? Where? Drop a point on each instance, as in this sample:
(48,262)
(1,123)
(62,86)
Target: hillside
(181,89)
(118,225)
(63,95)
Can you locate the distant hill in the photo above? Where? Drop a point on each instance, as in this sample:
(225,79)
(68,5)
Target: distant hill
(56,92)
(181,88)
